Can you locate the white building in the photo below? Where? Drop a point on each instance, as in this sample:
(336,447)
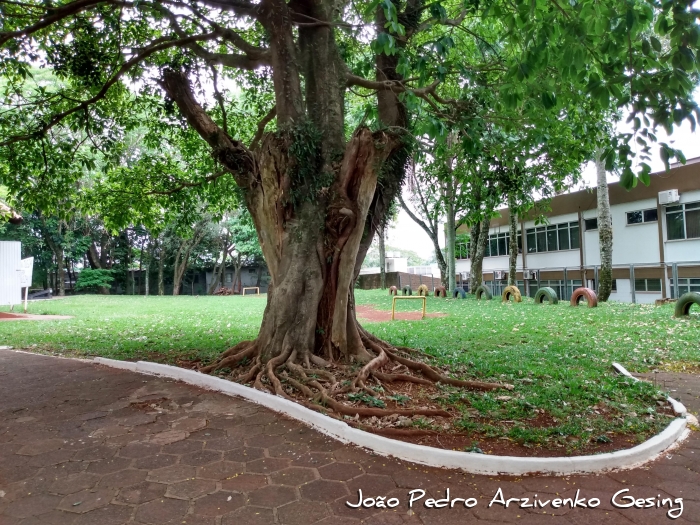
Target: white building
(656,241)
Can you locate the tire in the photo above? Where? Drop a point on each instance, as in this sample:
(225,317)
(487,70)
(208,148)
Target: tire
(484,292)
(393,290)
(511,291)
(440,291)
(459,293)
(587,293)
(406,290)
(685,302)
(423,290)
(546,293)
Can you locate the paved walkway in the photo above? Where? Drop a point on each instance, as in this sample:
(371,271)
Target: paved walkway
(82,444)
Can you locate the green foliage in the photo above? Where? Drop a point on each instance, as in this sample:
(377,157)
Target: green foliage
(365,398)
(308,179)
(93,280)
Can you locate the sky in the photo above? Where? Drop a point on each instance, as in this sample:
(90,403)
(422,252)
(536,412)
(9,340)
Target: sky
(405,233)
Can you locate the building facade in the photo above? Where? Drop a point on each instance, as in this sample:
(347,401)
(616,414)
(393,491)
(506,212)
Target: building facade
(656,241)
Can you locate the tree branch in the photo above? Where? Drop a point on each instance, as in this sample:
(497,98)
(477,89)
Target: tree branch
(261,127)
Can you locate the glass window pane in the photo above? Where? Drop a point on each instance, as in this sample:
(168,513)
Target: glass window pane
(573,235)
(552,244)
(674,208)
(674,226)
(692,224)
(520,243)
(653,285)
(640,285)
(634,217)
(487,249)
(502,242)
(542,241)
(692,206)
(493,242)
(531,241)
(591,224)
(564,239)
(651,216)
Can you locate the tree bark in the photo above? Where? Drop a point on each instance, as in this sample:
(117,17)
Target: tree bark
(605,233)
(476,274)
(513,243)
(382,258)
(161,262)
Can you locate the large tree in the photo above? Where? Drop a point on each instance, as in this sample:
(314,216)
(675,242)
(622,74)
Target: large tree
(319,184)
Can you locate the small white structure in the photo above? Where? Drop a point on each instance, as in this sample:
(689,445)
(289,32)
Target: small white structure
(15,274)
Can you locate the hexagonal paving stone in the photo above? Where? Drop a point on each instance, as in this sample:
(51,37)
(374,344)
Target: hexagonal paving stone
(162,511)
(293,476)
(340,471)
(86,500)
(249,516)
(371,484)
(221,470)
(264,441)
(141,492)
(109,515)
(182,447)
(244,454)
(107,466)
(123,478)
(203,457)
(301,513)
(34,448)
(189,424)
(272,496)
(95,453)
(54,517)
(155,462)
(218,504)
(208,434)
(74,483)
(267,465)
(244,482)
(139,450)
(169,436)
(55,457)
(314,459)
(172,474)
(190,489)
(323,490)
(289,450)
(31,505)
(227,443)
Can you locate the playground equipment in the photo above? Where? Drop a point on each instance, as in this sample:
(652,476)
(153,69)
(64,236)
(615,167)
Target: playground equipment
(584,293)
(397,298)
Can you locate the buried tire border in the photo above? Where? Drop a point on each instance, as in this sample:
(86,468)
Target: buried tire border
(684,303)
(469,462)
(511,291)
(483,292)
(546,293)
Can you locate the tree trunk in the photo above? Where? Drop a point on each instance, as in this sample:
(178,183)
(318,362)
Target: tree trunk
(450,241)
(476,277)
(513,243)
(605,233)
(60,272)
(382,257)
(178,271)
(161,262)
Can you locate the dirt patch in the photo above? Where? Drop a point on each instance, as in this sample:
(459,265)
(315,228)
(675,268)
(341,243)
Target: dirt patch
(372,315)
(7,316)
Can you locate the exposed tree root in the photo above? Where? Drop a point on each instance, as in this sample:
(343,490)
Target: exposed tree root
(310,382)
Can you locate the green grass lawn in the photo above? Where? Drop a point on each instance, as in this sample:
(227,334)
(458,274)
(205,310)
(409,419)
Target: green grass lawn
(558,357)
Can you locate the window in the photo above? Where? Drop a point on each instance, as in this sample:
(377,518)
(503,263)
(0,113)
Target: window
(498,244)
(647,285)
(229,277)
(685,285)
(591,224)
(683,221)
(552,238)
(641,216)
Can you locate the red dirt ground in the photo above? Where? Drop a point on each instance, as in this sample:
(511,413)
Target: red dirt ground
(372,315)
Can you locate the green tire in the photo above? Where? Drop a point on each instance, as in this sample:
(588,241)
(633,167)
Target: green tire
(406,290)
(547,294)
(484,292)
(685,302)
(459,293)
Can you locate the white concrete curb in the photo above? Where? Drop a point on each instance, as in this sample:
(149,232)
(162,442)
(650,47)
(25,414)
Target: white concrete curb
(678,407)
(467,461)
